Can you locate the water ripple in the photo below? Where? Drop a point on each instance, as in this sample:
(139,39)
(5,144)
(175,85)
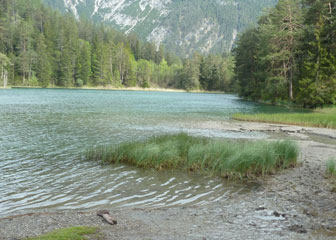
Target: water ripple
(44,134)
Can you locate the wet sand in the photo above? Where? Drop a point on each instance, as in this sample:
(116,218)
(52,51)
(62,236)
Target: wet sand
(296,203)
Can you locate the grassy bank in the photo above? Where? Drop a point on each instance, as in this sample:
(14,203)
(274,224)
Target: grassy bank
(73,233)
(319,118)
(226,158)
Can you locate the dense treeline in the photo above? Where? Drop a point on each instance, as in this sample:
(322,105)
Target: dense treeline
(41,47)
(290,56)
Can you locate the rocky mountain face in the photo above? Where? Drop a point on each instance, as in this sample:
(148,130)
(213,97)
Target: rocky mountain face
(183,26)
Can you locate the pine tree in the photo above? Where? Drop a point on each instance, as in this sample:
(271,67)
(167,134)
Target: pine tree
(282,32)
(123,62)
(65,69)
(191,73)
(97,60)
(317,83)
(85,62)
(248,70)
(26,54)
(4,64)
(42,67)
(137,52)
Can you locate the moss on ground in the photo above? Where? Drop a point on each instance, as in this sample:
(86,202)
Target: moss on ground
(72,233)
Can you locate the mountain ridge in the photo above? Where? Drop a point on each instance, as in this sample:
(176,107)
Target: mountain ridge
(211,26)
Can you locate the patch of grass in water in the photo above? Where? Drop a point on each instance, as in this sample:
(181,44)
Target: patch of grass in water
(331,167)
(225,158)
(331,172)
(325,118)
(73,233)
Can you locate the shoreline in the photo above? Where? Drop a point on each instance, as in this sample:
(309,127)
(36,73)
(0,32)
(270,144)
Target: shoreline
(296,203)
(119,89)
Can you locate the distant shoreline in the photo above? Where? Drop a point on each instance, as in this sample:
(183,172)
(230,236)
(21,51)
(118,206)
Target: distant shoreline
(120,89)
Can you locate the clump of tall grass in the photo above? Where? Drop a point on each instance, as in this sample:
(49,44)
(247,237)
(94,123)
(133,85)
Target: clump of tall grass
(331,167)
(331,172)
(319,118)
(226,158)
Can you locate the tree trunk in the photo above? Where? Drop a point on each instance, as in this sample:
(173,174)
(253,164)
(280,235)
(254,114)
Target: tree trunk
(291,84)
(318,69)
(121,77)
(3,75)
(30,70)
(24,63)
(111,64)
(5,78)
(42,30)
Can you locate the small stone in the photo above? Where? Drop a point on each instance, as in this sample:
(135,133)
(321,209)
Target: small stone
(107,217)
(101,212)
(297,228)
(275,213)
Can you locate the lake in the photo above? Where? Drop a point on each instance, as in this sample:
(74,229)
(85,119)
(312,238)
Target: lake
(44,134)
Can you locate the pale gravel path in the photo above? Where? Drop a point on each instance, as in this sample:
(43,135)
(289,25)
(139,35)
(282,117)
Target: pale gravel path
(302,195)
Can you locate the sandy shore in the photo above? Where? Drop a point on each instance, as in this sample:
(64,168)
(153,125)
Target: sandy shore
(294,204)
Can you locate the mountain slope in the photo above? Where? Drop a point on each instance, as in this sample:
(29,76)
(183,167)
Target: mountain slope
(182,26)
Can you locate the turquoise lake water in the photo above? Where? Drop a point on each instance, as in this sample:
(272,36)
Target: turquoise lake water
(45,132)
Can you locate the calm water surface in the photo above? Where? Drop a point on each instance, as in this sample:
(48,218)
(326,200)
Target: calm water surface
(44,133)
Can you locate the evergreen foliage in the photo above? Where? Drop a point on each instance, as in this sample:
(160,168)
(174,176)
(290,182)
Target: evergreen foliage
(290,56)
(42,47)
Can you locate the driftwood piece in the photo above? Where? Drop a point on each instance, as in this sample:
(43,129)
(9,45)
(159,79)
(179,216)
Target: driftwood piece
(107,217)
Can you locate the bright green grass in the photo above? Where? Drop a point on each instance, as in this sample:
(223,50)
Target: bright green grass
(73,233)
(319,118)
(331,171)
(331,167)
(226,158)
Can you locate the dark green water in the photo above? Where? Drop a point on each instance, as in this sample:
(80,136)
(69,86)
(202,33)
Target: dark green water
(44,133)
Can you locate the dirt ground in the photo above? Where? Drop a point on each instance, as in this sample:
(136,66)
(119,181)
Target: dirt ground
(297,203)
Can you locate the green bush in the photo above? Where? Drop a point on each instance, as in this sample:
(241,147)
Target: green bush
(79,83)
